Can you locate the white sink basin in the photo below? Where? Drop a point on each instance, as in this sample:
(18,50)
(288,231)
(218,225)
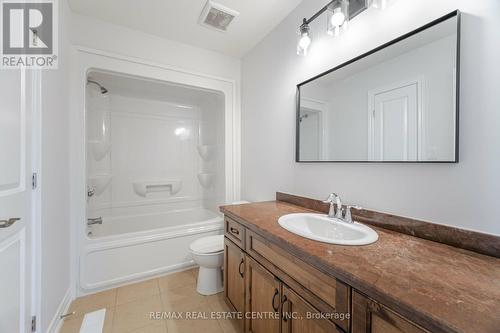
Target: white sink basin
(328,230)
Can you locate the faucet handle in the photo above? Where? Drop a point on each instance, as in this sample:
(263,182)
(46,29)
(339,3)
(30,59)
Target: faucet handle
(348,215)
(330,198)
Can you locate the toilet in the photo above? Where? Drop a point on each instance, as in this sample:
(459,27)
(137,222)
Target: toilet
(208,253)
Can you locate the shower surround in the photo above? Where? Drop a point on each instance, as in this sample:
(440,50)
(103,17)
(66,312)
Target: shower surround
(155,166)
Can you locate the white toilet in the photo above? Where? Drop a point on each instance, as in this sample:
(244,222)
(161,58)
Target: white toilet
(208,253)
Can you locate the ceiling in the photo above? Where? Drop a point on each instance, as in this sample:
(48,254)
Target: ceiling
(178,20)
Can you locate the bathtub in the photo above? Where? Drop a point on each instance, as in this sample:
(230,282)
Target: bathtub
(132,248)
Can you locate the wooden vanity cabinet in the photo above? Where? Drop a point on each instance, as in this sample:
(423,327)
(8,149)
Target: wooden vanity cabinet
(263,291)
(298,316)
(369,316)
(273,307)
(276,292)
(234,277)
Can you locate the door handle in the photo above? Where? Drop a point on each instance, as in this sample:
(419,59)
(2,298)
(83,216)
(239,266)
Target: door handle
(9,222)
(273,302)
(239,267)
(285,314)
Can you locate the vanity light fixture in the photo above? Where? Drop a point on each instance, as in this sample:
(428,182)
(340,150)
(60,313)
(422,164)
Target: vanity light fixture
(304,38)
(339,13)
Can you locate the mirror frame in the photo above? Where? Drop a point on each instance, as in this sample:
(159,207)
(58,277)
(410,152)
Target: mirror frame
(455,13)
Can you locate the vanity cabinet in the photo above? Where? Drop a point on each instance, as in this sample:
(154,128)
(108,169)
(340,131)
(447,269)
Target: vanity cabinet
(263,282)
(277,292)
(369,316)
(262,301)
(273,307)
(234,277)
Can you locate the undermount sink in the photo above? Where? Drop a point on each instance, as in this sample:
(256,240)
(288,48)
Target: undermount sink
(321,228)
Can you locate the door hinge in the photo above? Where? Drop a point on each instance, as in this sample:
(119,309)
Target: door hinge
(33,324)
(34,180)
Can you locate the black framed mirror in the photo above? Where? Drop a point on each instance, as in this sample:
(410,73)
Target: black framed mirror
(396,103)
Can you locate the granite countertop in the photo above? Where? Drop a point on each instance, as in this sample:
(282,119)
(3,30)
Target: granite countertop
(441,287)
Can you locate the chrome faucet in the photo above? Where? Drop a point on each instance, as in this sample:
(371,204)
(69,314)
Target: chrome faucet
(332,212)
(337,211)
(97,220)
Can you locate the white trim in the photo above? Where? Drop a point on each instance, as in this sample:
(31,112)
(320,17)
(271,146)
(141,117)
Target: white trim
(63,308)
(139,67)
(419,81)
(149,63)
(36,197)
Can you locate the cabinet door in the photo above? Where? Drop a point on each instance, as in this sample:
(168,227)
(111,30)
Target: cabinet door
(369,316)
(234,276)
(263,300)
(298,316)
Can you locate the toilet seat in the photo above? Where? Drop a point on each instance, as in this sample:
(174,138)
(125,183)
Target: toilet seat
(208,245)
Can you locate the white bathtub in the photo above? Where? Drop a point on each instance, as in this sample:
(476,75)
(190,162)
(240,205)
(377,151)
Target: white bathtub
(125,249)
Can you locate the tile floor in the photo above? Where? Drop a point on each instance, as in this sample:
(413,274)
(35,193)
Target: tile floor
(128,308)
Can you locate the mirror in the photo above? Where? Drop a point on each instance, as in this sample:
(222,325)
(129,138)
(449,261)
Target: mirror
(396,103)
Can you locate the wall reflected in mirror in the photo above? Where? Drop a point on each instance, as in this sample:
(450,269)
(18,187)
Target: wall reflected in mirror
(397,104)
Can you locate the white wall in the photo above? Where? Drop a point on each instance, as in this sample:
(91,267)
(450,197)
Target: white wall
(463,195)
(100,35)
(54,180)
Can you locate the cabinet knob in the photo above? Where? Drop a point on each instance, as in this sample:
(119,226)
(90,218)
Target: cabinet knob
(234,231)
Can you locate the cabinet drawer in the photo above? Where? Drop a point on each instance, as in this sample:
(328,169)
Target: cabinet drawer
(320,286)
(235,232)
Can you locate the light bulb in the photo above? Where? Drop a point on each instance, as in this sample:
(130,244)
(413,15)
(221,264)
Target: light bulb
(338,17)
(305,41)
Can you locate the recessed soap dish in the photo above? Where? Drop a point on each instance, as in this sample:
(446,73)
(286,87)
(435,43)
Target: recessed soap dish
(207,152)
(206,179)
(145,187)
(99,148)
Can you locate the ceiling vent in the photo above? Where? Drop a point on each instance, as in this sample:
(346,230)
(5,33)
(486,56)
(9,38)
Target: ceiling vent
(216,16)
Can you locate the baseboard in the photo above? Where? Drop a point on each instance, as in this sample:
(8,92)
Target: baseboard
(56,322)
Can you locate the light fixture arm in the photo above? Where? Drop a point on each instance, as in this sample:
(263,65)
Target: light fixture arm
(318,13)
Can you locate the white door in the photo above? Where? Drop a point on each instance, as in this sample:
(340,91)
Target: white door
(15,202)
(310,135)
(394,124)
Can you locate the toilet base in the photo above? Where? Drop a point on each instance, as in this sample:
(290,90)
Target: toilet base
(209,281)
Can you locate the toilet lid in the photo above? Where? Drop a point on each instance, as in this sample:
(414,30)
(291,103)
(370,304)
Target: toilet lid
(209,244)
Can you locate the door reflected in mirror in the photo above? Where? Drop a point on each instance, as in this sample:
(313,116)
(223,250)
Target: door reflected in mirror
(397,103)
